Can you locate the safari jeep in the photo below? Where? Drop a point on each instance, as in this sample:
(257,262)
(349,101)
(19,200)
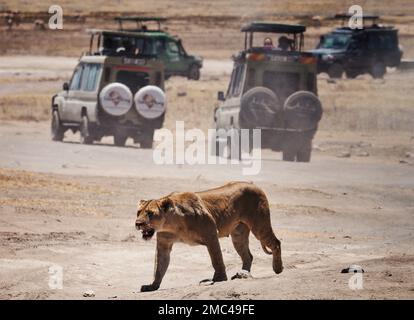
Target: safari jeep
(356,51)
(274,89)
(158,43)
(111,96)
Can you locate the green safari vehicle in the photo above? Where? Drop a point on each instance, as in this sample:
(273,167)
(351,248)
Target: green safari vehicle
(165,47)
(272,88)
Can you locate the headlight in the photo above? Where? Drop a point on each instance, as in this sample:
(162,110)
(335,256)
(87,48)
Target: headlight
(327,57)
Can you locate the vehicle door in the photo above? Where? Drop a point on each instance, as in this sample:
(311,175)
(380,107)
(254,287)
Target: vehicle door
(69,108)
(358,53)
(229,110)
(176,62)
(87,95)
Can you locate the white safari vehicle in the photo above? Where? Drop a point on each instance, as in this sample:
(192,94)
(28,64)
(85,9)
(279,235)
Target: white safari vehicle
(119,96)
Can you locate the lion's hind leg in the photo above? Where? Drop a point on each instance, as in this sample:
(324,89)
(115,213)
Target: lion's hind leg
(262,230)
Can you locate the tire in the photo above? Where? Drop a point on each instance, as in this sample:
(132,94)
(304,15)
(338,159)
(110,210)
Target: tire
(304,153)
(147,139)
(335,71)
(194,72)
(297,147)
(302,111)
(84,129)
(378,70)
(351,74)
(56,128)
(260,108)
(120,139)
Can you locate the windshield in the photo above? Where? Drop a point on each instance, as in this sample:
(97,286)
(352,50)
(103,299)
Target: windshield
(334,41)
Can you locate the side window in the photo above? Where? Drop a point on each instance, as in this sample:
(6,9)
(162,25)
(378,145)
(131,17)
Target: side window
(172,49)
(85,76)
(239,81)
(76,78)
(158,46)
(91,77)
(236,82)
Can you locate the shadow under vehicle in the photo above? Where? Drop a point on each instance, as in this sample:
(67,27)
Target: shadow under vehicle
(117,96)
(156,42)
(272,89)
(357,51)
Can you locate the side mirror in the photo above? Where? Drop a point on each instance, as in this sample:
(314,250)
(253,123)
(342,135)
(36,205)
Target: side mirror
(66,86)
(220,96)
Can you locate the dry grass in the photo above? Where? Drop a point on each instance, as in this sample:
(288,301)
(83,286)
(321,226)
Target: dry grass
(26,107)
(239,8)
(365,104)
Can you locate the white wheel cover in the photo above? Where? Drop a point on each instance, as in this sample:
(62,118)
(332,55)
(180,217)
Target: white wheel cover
(116,99)
(150,102)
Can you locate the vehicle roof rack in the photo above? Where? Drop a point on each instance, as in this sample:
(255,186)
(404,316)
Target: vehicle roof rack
(344,17)
(139,21)
(271,27)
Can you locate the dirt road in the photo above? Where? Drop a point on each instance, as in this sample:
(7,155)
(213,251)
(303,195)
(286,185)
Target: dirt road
(77,212)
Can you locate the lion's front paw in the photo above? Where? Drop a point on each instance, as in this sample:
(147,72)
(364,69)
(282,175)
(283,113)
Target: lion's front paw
(149,287)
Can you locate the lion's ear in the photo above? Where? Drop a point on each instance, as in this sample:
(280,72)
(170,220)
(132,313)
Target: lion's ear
(166,204)
(142,202)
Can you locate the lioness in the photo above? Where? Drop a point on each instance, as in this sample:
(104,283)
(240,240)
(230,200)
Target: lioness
(201,218)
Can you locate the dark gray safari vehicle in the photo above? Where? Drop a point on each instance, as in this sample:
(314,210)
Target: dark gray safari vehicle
(273,89)
(120,96)
(357,51)
(160,44)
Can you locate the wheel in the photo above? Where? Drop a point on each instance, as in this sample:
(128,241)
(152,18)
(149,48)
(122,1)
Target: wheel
(57,130)
(85,134)
(120,139)
(290,147)
(335,71)
(147,139)
(302,111)
(260,108)
(297,147)
(194,72)
(304,153)
(351,74)
(378,70)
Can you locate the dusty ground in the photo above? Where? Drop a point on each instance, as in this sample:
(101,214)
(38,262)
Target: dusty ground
(74,206)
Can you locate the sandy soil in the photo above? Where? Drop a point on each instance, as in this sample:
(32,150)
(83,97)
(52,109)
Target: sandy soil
(73,206)
(78,212)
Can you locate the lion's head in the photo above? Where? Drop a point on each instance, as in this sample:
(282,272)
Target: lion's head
(151,216)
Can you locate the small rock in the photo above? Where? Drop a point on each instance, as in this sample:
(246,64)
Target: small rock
(317,148)
(409,155)
(403,161)
(347,237)
(353,269)
(181,94)
(89,294)
(344,154)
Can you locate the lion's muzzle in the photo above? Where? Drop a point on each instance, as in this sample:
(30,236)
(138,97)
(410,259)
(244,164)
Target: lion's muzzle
(147,231)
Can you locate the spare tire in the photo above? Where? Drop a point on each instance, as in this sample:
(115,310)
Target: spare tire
(150,102)
(116,99)
(302,111)
(260,108)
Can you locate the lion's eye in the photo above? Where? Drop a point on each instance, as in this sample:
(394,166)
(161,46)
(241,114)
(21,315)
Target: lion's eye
(150,214)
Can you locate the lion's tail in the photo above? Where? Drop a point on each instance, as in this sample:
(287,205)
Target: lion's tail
(265,249)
